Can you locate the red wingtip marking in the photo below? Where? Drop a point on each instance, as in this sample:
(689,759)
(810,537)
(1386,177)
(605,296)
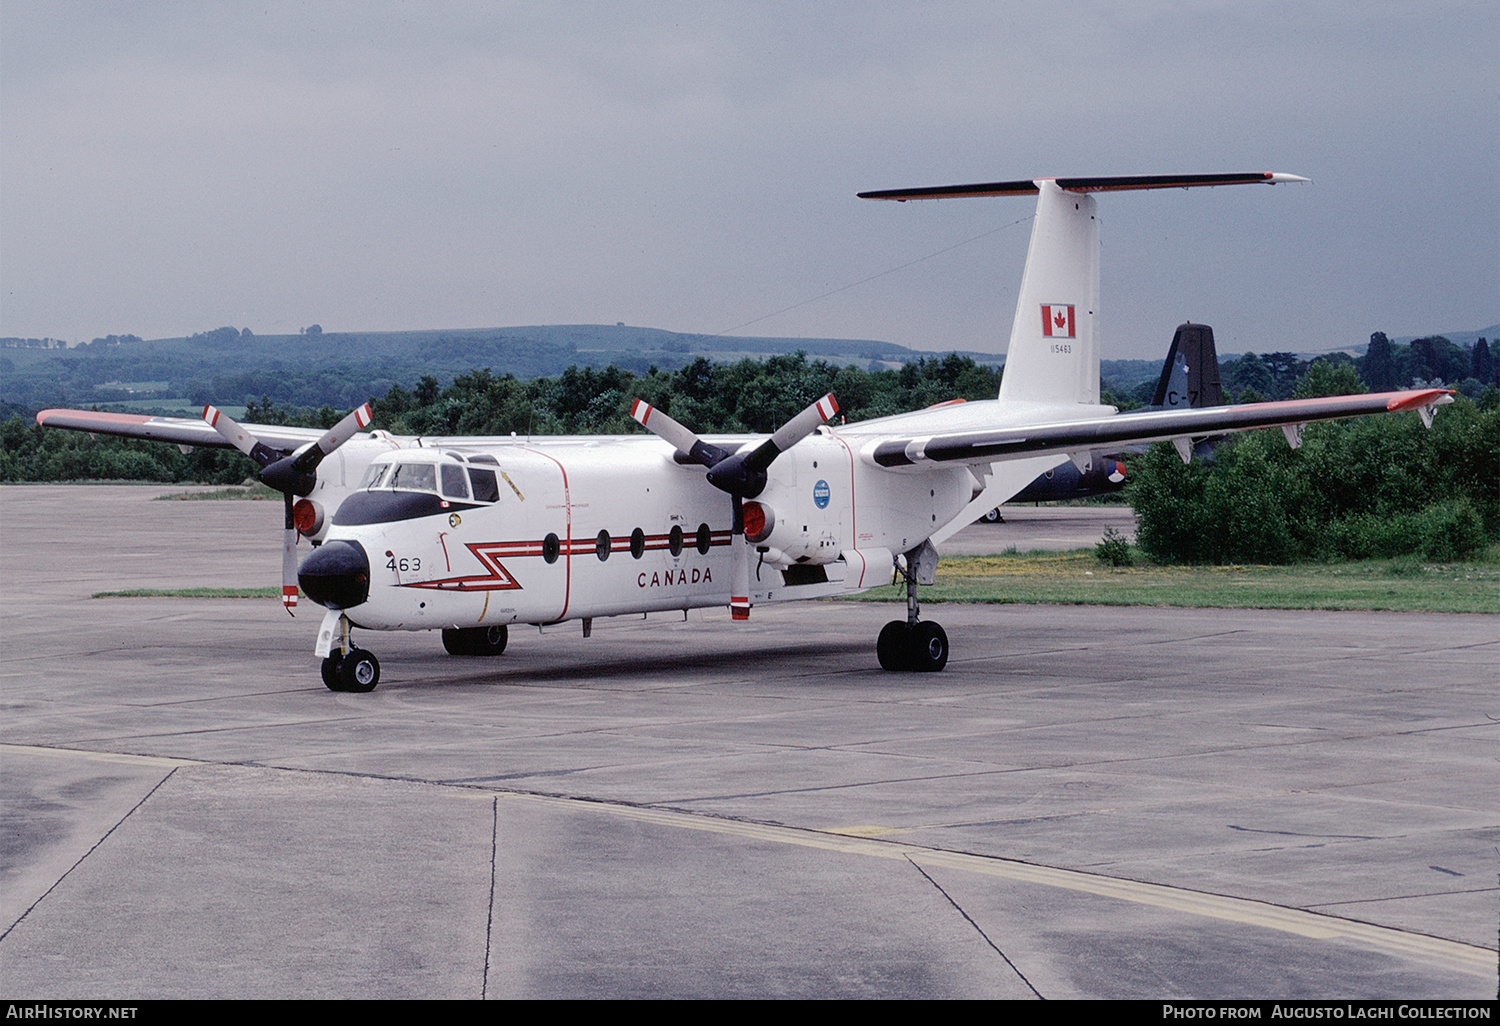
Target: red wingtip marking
(1411,400)
(113,418)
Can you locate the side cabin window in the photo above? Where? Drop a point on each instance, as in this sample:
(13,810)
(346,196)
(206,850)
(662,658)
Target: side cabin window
(455,482)
(486,488)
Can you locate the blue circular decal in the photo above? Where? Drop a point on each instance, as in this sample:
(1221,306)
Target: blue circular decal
(821,494)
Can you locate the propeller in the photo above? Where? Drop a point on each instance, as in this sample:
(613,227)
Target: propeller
(741,474)
(291,475)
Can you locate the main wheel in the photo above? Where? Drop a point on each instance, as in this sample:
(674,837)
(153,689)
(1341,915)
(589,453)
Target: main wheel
(490,641)
(359,671)
(892,645)
(928,651)
(331,671)
(991,516)
(456,641)
(475,641)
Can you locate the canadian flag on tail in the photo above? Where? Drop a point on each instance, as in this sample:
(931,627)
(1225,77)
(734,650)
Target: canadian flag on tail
(1057,321)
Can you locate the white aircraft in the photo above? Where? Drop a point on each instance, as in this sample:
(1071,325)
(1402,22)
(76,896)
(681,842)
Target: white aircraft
(471,535)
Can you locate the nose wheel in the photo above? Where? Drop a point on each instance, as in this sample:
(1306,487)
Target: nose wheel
(356,670)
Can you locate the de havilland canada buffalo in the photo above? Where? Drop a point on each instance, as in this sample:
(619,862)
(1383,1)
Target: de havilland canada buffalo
(470,535)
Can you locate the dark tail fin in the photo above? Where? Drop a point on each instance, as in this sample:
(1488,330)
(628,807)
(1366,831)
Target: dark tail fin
(1190,375)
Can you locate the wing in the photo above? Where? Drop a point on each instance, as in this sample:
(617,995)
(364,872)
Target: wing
(178,430)
(987,446)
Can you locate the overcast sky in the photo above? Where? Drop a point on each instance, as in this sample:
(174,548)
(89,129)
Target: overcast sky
(167,168)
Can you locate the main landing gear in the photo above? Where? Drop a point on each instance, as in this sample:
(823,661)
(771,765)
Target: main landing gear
(475,641)
(910,644)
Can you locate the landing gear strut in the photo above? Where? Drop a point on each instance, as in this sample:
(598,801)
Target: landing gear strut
(912,644)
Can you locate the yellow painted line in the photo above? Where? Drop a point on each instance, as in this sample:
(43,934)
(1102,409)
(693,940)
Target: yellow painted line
(115,757)
(861,840)
(1466,957)
(1217,906)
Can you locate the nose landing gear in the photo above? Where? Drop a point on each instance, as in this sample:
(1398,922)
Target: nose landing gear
(346,667)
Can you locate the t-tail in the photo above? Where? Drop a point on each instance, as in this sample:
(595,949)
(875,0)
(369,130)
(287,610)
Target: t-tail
(1053,357)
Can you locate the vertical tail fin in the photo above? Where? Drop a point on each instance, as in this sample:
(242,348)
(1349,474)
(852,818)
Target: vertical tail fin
(1054,340)
(1190,375)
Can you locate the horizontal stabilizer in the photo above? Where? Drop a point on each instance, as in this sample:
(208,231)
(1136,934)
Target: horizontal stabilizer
(1112,183)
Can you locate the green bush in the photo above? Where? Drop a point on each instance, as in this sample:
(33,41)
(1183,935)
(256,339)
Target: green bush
(1451,531)
(1114,549)
(1375,487)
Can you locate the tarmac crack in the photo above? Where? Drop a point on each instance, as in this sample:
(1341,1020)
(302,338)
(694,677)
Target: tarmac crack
(489,920)
(977,928)
(92,848)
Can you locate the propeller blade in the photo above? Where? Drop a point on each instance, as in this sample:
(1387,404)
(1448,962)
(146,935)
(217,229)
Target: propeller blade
(290,475)
(334,437)
(794,430)
(744,474)
(289,560)
(739,566)
(298,475)
(690,448)
(238,437)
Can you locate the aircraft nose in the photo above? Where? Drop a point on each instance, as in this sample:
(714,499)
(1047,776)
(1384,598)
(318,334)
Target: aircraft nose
(336,574)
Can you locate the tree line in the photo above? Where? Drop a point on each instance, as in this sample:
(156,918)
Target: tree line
(746,396)
(1371,487)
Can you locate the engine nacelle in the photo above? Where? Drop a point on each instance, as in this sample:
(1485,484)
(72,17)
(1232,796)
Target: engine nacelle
(760,521)
(308,517)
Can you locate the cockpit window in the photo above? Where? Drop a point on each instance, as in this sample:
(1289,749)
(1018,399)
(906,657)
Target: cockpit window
(458,482)
(486,488)
(414,477)
(374,474)
(455,484)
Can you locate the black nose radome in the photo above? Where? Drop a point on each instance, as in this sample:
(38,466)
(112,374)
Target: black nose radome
(336,574)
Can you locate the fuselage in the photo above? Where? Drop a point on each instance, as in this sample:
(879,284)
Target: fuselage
(497,532)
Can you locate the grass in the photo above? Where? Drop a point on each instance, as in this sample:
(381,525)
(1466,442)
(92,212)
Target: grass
(255,492)
(210,593)
(1079,578)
